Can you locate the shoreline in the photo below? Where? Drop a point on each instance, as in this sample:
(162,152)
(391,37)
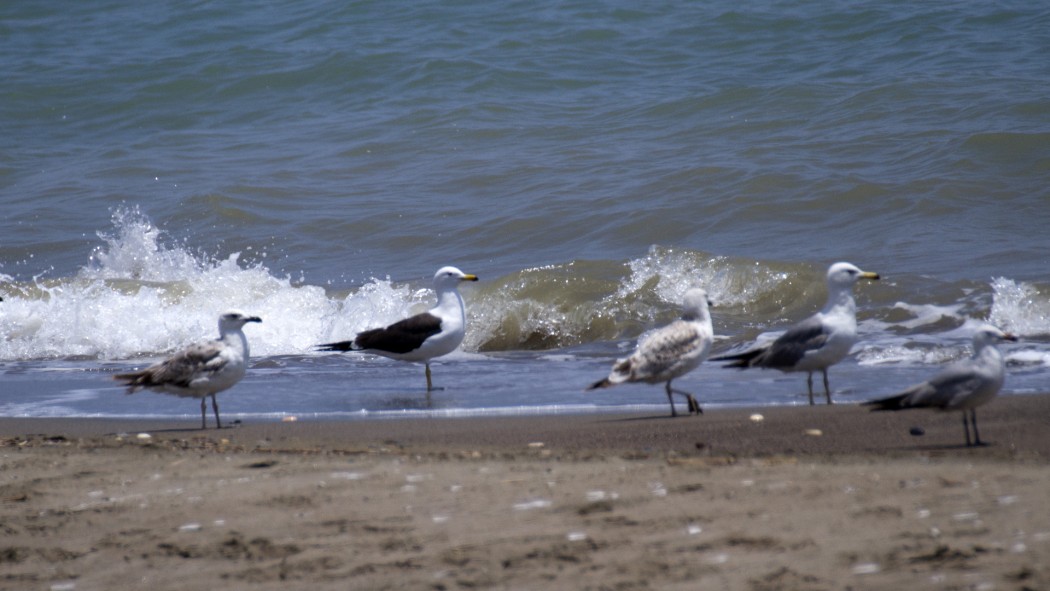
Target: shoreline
(1010,425)
(626,502)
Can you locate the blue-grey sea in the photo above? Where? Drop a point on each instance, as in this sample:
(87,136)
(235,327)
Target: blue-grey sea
(315,162)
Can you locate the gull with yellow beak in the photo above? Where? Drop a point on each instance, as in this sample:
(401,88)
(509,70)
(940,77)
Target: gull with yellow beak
(422,337)
(818,342)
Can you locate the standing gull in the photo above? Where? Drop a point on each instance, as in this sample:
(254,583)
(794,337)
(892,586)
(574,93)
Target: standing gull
(422,337)
(669,352)
(963,385)
(818,342)
(200,370)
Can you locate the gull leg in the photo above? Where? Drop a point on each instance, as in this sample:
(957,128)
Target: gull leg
(670,398)
(204,412)
(430,384)
(215,406)
(809,382)
(827,389)
(694,406)
(973,419)
(966,429)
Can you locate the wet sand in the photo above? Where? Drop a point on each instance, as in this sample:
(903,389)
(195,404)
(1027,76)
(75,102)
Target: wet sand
(806,498)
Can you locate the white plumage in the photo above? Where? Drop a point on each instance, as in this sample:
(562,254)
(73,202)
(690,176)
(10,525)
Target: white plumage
(818,342)
(422,337)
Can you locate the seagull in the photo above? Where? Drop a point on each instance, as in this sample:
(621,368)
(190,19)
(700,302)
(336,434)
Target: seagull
(200,370)
(963,385)
(818,342)
(669,352)
(422,337)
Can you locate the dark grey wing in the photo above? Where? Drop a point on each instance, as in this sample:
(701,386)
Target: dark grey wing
(742,359)
(937,392)
(401,337)
(792,346)
(179,369)
(957,381)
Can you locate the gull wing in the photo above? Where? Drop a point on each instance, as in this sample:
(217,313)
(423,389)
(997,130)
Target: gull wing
(180,369)
(403,336)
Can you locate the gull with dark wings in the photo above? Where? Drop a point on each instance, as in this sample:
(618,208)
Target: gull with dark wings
(963,385)
(816,343)
(422,337)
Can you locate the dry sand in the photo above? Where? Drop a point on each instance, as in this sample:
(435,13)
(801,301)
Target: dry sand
(807,498)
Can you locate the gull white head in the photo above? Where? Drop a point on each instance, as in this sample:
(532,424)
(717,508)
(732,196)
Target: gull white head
(450,277)
(232,320)
(694,304)
(990,335)
(844,275)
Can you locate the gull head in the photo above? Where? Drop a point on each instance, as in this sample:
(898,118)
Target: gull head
(695,303)
(990,335)
(846,274)
(234,319)
(450,277)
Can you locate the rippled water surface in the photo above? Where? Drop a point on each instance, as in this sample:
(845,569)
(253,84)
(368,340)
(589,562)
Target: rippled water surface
(316,163)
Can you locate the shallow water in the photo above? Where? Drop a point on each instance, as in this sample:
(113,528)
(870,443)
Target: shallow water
(315,164)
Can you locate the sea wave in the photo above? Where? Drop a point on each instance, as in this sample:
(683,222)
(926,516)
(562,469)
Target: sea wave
(140,294)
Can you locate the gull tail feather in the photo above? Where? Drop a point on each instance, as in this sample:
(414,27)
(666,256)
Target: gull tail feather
(898,402)
(339,346)
(741,360)
(134,381)
(602,383)
(621,372)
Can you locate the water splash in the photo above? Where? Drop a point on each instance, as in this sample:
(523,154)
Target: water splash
(140,296)
(143,294)
(1020,308)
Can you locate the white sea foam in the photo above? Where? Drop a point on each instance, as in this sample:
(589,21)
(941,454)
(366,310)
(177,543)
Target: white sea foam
(900,354)
(927,314)
(141,296)
(1020,308)
(671,272)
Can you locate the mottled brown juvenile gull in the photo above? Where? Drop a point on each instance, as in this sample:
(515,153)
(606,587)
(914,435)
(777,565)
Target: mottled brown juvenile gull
(200,370)
(818,342)
(669,352)
(963,385)
(422,337)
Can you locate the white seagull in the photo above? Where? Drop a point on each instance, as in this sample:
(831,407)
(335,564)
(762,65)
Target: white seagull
(818,342)
(963,385)
(422,337)
(200,370)
(669,352)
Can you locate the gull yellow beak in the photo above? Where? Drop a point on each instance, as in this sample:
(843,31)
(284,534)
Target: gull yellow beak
(869,275)
(469,277)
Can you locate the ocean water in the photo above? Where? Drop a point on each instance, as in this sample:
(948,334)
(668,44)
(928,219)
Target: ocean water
(315,163)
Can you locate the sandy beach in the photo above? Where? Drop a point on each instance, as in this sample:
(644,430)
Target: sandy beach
(805,498)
